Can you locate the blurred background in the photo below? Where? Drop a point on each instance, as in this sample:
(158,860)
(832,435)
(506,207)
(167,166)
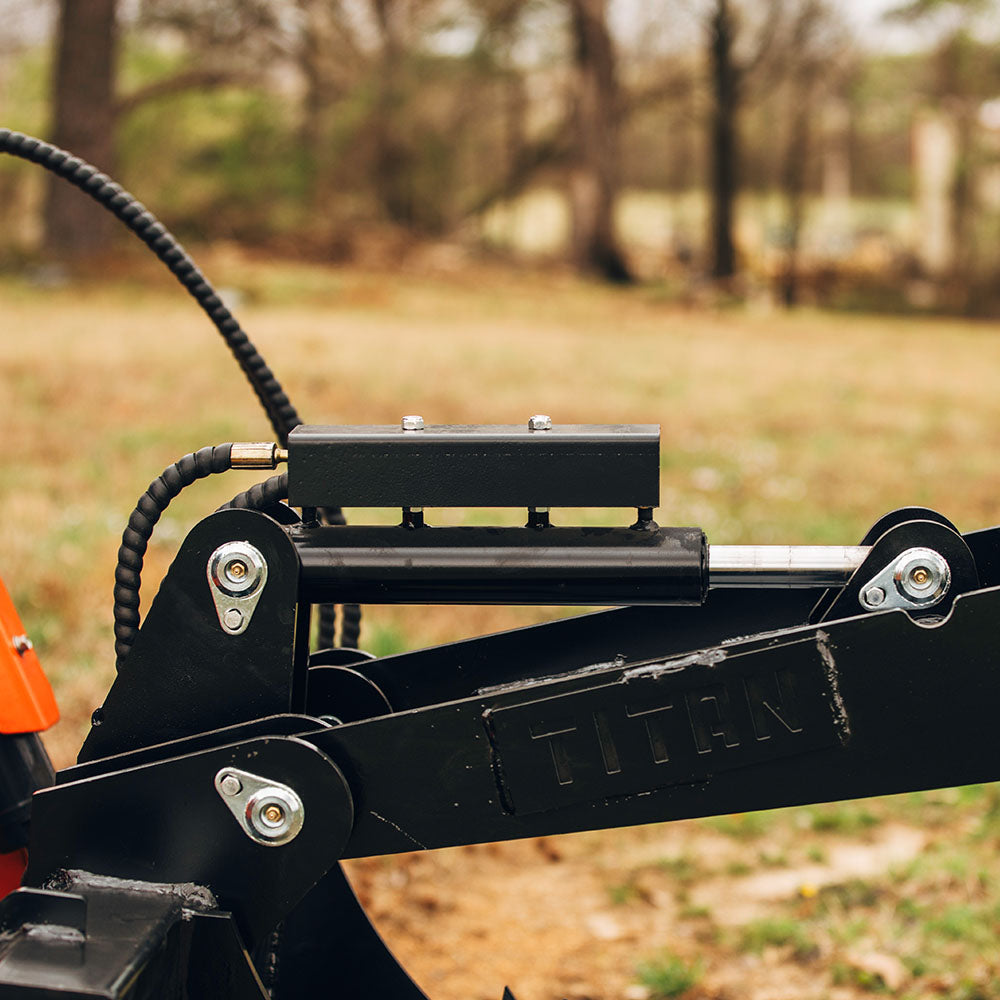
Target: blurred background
(845,154)
(771,226)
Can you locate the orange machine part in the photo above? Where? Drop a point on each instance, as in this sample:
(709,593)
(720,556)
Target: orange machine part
(27,704)
(12,868)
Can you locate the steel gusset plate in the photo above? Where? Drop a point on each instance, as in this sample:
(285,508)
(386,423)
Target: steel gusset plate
(185,673)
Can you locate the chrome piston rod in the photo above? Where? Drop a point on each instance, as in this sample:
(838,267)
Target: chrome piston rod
(783,565)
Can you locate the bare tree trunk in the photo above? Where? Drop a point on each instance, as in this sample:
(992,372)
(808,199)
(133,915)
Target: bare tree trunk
(393,162)
(593,183)
(724,154)
(84,122)
(963,193)
(310,62)
(794,183)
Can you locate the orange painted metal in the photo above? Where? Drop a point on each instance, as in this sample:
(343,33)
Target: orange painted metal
(12,868)
(27,704)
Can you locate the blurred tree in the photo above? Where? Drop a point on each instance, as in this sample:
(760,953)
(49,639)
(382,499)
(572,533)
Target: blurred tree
(504,28)
(961,80)
(87,108)
(393,162)
(223,42)
(83,114)
(594,172)
(735,52)
(815,43)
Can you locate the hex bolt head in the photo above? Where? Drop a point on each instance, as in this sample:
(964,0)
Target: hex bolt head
(21,644)
(412,422)
(540,422)
(874,597)
(236,570)
(922,576)
(273,814)
(231,785)
(233,618)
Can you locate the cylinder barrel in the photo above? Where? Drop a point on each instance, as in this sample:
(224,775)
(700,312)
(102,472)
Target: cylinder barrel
(473,565)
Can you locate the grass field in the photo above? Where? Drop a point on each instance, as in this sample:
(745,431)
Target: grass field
(776,428)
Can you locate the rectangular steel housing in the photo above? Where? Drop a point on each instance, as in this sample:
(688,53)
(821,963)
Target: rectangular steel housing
(571,465)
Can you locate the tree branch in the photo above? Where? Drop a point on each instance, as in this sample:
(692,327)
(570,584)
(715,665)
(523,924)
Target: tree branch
(672,88)
(530,159)
(189,79)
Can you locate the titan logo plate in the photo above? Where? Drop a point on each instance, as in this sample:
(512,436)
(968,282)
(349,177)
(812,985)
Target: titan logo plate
(678,722)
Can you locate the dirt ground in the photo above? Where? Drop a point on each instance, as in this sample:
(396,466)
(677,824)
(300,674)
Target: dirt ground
(576,917)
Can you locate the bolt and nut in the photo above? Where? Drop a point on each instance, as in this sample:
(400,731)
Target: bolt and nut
(540,422)
(269,812)
(231,785)
(273,815)
(874,597)
(21,644)
(235,570)
(233,619)
(412,422)
(922,575)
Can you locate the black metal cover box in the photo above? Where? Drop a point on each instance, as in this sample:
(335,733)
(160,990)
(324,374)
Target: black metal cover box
(570,465)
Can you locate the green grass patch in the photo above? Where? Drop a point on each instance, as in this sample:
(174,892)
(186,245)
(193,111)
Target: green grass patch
(624,892)
(850,895)
(385,640)
(843,817)
(683,868)
(971,925)
(777,932)
(667,975)
(843,974)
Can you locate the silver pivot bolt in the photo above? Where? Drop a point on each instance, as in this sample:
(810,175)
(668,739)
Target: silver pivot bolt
(916,579)
(540,422)
(922,575)
(237,572)
(271,813)
(412,422)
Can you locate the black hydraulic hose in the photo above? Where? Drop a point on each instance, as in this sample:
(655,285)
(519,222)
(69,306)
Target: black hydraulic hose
(350,626)
(135,538)
(261,495)
(157,237)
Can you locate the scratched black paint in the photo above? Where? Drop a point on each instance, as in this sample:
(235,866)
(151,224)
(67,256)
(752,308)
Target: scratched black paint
(657,726)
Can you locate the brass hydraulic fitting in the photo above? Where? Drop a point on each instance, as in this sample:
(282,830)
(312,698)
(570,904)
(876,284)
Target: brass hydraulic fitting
(257,455)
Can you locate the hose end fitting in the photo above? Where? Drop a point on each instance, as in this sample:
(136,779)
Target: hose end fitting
(257,455)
